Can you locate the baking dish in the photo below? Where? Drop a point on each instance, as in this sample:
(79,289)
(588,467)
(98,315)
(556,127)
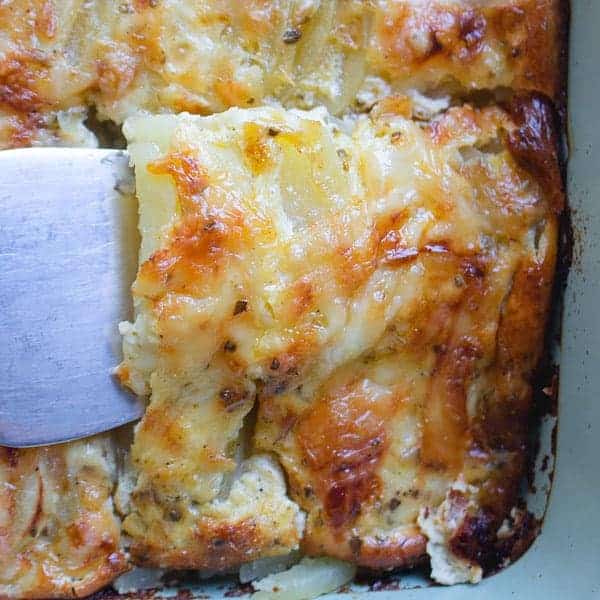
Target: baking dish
(563,558)
(392,582)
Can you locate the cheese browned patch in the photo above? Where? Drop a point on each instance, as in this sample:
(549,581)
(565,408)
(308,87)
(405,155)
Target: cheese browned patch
(364,282)
(58,58)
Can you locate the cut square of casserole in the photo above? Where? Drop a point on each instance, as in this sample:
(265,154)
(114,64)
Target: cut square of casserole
(378,288)
(59,537)
(59,57)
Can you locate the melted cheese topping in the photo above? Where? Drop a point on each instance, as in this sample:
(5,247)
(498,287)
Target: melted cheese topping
(58,534)
(57,58)
(365,280)
(379,287)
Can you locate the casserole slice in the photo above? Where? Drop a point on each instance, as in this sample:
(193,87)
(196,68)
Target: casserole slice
(59,536)
(378,288)
(59,58)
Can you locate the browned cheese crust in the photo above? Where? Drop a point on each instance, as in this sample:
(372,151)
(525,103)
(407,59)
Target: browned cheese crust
(390,324)
(58,58)
(362,463)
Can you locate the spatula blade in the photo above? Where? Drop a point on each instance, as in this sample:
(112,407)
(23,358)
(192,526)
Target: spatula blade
(68,254)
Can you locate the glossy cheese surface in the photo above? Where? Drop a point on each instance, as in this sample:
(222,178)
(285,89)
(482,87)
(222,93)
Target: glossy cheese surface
(378,288)
(59,58)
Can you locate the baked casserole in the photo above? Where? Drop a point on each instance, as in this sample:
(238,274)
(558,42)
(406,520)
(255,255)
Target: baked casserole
(350,218)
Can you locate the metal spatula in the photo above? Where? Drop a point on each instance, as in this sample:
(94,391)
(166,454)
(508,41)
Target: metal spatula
(68,254)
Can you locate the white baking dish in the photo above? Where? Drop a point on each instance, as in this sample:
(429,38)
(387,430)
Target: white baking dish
(564,561)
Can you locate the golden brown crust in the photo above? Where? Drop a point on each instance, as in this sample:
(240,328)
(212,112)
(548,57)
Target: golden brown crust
(342,441)
(534,143)
(468,340)
(41,71)
(19,99)
(175,530)
(401,550)
(513,44)
(370,427)
(214,546)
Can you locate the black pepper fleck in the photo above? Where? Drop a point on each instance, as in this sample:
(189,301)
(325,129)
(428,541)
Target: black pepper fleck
(240,307)
(291,36)
(228,394)
(396,137)
(344,156)
(232,399)
(229,346)
(174,515)
(280,387)
(394,503)
(355,544)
